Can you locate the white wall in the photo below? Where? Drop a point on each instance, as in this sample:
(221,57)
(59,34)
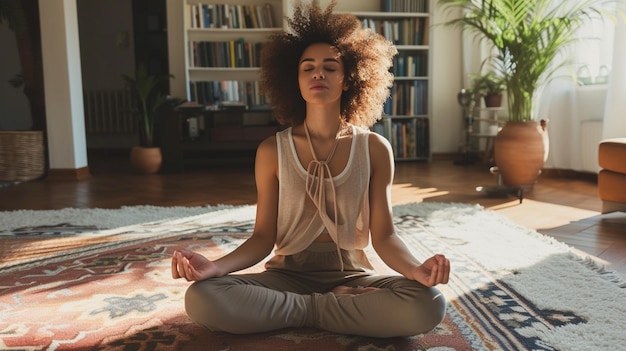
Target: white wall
(103,61)
(447,80)
(104,55)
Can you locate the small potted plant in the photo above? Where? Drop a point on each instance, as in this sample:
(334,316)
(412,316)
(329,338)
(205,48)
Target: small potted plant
(490,86)
(146,99)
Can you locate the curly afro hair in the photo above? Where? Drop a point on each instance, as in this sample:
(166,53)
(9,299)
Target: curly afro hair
(367,58)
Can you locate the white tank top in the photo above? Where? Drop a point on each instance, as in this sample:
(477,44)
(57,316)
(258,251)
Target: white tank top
(301,220)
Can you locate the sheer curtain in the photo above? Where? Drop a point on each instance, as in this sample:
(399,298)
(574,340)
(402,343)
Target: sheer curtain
(582,108)
(614,125)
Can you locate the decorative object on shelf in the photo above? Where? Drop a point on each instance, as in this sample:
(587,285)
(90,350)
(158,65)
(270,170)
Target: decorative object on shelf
(584,76)
(528,36)
(147,98)
(490,86)
(603,75)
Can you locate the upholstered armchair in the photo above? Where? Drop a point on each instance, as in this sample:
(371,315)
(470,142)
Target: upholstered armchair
(612,176)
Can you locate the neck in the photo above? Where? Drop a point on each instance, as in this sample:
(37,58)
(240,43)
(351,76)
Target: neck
(323,123)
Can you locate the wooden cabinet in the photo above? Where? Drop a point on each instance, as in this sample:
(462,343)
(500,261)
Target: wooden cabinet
(193,134)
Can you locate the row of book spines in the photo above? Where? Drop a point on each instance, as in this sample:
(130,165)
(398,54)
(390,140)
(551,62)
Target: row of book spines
(408,138)
(233,54)
(227,92)
(404,5)
(205,16)
(408,99)
(407,31)
(407,65)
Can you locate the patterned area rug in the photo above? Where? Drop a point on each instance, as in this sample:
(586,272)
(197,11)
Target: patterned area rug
(511,289)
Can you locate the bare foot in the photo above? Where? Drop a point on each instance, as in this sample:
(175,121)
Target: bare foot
(347,290)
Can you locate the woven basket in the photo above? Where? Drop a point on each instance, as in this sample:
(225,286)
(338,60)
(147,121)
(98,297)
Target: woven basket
(21,155)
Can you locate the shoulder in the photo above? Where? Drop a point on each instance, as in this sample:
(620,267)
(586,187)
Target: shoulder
(267,149)
(379,145)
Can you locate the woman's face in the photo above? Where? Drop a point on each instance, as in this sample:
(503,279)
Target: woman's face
(321,74)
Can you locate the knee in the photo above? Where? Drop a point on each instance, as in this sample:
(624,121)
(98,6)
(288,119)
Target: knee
(201,306)
(424,313)
(430,311)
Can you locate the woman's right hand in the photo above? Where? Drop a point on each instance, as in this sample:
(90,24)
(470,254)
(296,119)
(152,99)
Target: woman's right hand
(192,266)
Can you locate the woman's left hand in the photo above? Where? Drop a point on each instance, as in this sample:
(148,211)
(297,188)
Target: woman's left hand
(435,270)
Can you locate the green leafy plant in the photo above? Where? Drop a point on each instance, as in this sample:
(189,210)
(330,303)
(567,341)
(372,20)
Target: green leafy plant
(527,36)
(488,84)
(147,98)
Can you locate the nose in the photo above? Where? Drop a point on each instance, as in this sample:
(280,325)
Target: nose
(318,75)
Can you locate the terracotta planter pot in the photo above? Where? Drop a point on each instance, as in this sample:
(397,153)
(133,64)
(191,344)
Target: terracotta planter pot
(521,149)
(146,159)
(493,100)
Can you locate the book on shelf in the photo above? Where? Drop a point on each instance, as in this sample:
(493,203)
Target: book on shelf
(225,54)
(230,16)
(407,98)
(404,5)
(410,64)
(406,31)
(226,93)
(408,137)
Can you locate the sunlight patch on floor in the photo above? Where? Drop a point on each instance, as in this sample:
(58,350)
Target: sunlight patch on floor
(530,211)
(407,193)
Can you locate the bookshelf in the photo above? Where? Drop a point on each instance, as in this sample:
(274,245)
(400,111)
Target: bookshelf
(222,44)
(406,121)
(220,66)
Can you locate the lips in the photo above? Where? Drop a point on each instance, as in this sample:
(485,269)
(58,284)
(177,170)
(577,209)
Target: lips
(318,87)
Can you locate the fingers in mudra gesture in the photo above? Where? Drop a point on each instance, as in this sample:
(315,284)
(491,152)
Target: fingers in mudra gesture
(192,266)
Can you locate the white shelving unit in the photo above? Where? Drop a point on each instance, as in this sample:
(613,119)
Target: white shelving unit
(484,131)
(215,26)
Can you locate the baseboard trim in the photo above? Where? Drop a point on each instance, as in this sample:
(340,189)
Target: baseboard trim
(69,174)
(569,173)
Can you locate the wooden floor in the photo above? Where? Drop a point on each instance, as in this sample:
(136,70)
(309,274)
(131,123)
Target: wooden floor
(561,206)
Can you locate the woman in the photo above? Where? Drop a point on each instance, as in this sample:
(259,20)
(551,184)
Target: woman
(324,187)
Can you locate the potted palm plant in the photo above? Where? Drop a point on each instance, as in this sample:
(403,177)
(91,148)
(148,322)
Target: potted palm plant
(527,37)
(146,99)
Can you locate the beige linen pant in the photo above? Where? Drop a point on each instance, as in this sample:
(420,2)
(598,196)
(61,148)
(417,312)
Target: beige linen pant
(295,291)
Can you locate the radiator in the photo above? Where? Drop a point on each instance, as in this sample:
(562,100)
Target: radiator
(590,138)
(107,112)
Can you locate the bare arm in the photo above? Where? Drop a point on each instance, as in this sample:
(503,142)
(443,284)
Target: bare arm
(193,266)
(387,244)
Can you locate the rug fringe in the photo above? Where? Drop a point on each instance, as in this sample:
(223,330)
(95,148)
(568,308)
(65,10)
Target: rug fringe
(602,270)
